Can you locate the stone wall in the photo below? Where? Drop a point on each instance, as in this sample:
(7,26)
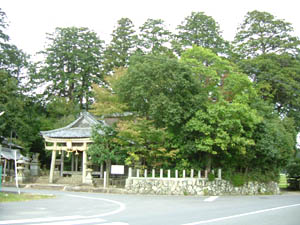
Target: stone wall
(195,186)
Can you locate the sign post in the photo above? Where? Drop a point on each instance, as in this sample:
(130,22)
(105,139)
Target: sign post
(16,172)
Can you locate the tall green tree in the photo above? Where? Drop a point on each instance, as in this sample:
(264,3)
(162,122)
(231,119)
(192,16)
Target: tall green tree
(3,26)
(200,30)
(73,61)
(12,59)
(262,33)
(277,78)
(160,89)
(21,118)
(154,37)
(225,121)
(122,45)
(275,146)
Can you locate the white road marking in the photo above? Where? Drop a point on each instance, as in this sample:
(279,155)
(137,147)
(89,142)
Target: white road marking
(120,204)
(47,219)
(73,218)
(241,215)
(75,222)
(115,223)
(211,198)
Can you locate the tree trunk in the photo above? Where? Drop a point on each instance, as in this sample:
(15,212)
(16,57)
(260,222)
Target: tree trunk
(208,162)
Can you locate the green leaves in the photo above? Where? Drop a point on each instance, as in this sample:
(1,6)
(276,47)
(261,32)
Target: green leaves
(72,64)
(105,146)
(158,88)
(154,36)
(122,46)
(262,33)
(224,126)
(145,144)
(277,79)
(200,30)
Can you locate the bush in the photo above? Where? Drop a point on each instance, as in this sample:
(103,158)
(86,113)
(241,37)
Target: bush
(293,171)
(238,180)
(211,177)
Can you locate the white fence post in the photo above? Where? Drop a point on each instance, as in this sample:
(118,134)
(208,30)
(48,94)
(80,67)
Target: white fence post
(199,174)
(192,173)
(104,182)
(205,173)
(169,174)
(138,173)
(176,173)
(145,173)
(161,173)
(129,172)
(220,174)
(183,174)
(153,173)
(16,172)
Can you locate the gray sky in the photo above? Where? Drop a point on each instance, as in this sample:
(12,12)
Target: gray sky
(30,20)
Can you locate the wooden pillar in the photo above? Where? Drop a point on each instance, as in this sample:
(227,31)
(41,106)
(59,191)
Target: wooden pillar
(62,163)
(52,166)
(4,170)
(72,163)
(84,160)
(76,163)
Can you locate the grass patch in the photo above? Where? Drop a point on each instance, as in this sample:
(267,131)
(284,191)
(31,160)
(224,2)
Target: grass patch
(283,181)
(13,197)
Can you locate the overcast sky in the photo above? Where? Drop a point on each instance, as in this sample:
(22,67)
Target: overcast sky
(30,20)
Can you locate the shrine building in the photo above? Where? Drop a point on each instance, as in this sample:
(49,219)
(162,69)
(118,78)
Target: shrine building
(71,141)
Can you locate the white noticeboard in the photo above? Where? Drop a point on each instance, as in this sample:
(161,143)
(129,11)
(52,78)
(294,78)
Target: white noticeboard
(117,169)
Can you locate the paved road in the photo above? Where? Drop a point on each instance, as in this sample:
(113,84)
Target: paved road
(106,209)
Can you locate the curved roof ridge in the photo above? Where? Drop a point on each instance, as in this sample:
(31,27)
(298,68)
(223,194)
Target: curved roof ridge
(92,120)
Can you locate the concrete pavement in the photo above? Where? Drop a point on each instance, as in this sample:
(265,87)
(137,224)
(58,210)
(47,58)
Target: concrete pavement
(92,208)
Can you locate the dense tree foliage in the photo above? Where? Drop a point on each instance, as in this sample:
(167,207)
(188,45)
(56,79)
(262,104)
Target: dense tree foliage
(105,148)
(225,120)
(219,121)
(277,77)
(154,36)
(262,33)
(12,59)
(106,100)
(122,46)
(158,88)
(73,62)
(200,30)
(197,110)
(20,120)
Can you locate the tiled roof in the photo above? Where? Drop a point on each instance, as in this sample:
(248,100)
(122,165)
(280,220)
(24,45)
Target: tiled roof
(9,154)
(81,128)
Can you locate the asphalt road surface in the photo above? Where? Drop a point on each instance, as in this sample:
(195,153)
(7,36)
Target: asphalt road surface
(113,209)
